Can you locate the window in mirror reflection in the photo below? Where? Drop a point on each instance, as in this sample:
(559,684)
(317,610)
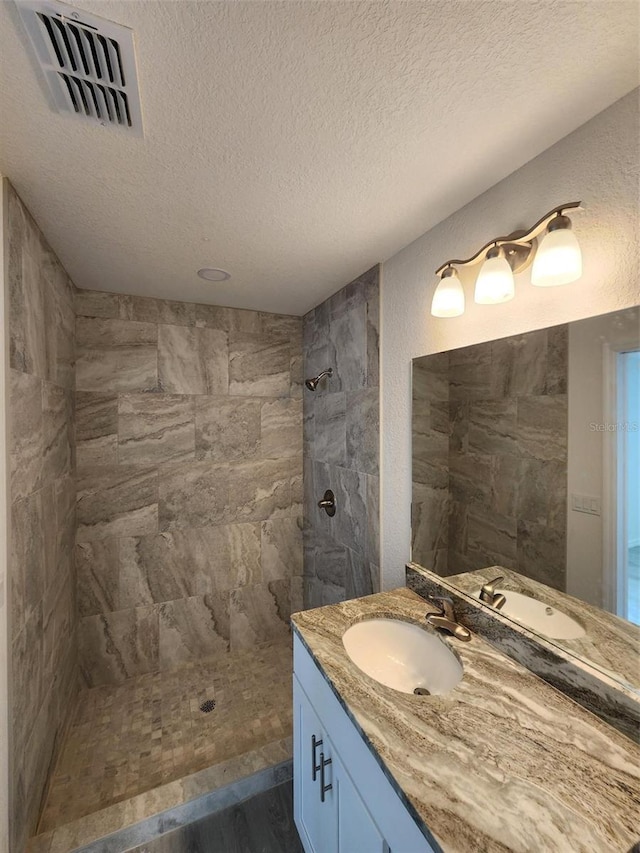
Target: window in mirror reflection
(627,435)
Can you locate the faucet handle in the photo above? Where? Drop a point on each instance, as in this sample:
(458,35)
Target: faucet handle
(444,604)
(490,586)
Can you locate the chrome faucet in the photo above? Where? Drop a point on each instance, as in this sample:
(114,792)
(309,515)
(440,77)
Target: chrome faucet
(489,595)
(444,618)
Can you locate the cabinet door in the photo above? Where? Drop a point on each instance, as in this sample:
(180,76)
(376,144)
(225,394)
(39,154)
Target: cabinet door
(315,810)
(357,832)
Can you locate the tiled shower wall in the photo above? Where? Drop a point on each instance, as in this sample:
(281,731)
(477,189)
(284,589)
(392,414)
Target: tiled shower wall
(341,444)
(189,449)
(490,457)
(41,575)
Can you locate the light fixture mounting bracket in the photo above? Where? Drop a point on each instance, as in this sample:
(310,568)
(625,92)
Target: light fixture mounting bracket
(519,246)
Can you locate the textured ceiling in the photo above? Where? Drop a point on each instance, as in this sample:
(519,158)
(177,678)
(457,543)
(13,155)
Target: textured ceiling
(297,143)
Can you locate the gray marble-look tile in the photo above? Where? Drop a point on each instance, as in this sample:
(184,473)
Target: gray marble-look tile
(348,336)
(542,427)
(259,613)
(470,373)
(317,593)
(282,325)
(296,377)
(192,360)
(116,501)
(542,493)
(519,365)
(351,515)
(58,629)
(27,343)
(373,520)
(97,303)
(358,575)
(363,430)
(505,478)
(97,573)
(429,521)
(557,360)
(26,425)
(296,601)
(492,426)
(469,478)
(64,510)
(430,457)
(331,562)
(228,319)
(28,554)
(60,323)
(120,645)
(330,428)
(308,424)
(163,311)
(281,428)
(458,426)
(281,548)
(492,537)
(227,428)
(116,355)
(373,338)
(193,494)
(96,429)
(541,553)
(430,380)
(185,563)
(155,428)
(27,672)
(259,366)
(57,426)
(261,490)
(193,628)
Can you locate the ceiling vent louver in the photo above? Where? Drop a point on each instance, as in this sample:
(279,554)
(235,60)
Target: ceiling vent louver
(88,62)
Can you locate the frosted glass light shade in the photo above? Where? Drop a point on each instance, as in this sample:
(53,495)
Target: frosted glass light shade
(558,259)
(448,299)
(495,282)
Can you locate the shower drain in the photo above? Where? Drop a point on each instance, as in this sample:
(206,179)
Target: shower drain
(207,706)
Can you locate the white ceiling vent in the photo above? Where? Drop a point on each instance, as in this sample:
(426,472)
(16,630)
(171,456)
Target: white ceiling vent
(88,62)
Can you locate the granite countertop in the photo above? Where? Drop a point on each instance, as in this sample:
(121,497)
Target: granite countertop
(610,643)
(504,762)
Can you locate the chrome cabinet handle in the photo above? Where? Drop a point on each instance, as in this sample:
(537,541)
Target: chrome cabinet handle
(323,788)
(314,767)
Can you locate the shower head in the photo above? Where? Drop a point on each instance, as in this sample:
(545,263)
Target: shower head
(312,384)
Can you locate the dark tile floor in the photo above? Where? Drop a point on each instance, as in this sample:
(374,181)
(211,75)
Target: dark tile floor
(262,824)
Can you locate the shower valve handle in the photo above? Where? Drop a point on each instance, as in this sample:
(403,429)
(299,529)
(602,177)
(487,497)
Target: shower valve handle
(328,503)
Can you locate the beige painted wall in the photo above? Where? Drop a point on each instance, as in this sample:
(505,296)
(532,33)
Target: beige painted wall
(588,538)
(598,164)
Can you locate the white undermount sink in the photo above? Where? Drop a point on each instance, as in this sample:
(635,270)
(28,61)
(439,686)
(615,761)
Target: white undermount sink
(539,616)
(403,656)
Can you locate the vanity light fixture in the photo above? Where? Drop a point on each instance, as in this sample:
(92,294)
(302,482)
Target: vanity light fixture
(557,260)
(448,300)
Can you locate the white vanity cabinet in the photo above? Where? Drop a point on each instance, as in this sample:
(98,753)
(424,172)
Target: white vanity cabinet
(343,802)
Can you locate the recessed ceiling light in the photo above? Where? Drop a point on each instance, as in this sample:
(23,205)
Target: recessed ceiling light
(213,274)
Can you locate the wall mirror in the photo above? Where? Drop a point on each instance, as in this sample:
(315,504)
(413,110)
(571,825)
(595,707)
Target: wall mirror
(526,456)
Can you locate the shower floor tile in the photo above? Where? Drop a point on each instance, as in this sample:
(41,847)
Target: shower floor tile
(129,738)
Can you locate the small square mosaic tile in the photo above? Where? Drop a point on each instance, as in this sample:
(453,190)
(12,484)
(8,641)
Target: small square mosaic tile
(129,738)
